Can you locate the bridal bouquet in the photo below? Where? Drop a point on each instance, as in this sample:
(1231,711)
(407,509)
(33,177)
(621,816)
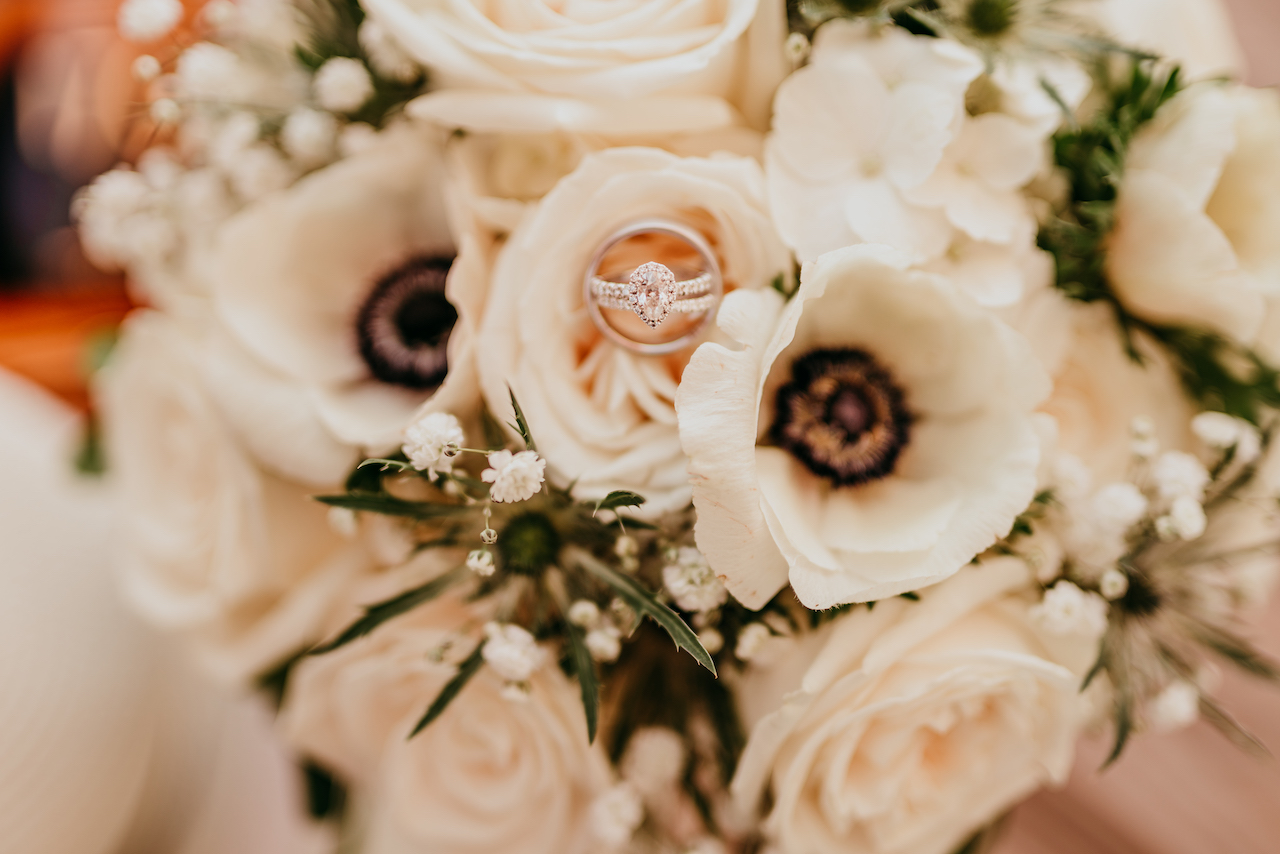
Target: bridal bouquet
(697,425)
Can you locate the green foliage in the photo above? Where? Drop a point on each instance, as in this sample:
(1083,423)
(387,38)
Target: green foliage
(91,459)
(335,27)
(377,614)
(619,498)
(585,669)
(468,668)
(389,505)
(522,425)
(1092,157)
(644,604)
(1215,372)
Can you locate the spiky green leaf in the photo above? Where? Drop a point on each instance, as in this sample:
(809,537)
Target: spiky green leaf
(522,425)
(389,505)
(644,603)
(619,498)
(585,668)
(468,668)
(377,614)
(1222,721)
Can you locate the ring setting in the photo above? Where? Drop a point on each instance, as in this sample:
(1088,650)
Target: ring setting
(653,293)
(652,290)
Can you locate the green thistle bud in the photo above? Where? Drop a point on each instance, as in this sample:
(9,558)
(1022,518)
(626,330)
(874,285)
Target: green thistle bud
(992,17)
(528,544)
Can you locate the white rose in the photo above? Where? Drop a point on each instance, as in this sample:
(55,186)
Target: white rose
(1196,33)
(617,69)
(914,724)
(905,446)
(304,284)
(1098,390)
(1198,210)
(488,775)
(240,561)
(603,416)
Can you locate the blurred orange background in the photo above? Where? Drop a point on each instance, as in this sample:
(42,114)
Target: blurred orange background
(67,108)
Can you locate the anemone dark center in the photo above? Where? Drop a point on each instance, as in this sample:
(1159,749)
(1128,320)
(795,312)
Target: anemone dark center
(405,324)
(843,416)
(992,17)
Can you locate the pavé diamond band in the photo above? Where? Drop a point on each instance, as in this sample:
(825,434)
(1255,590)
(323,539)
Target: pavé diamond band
(652,291)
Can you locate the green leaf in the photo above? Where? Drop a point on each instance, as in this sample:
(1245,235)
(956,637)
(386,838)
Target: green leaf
(466,670)
(1222,721)
(521,425)
(377,614)
(644,603)
(388,465)
(1236,650)
(388,505)
(619,498)
(585,667)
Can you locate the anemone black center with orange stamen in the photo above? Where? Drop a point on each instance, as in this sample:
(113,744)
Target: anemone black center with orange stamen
(404,325)
(843,416)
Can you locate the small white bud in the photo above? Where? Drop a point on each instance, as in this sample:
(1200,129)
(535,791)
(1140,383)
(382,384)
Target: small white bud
(385,54)
(654,760)
(1176,707)
(1186,519)
(1113,584)
(1068,610)
(343,85)
(604,644)
(488,536)
(259,171)
(165,111)
(308,136)
(751,640)
(616,815)
(512,652)
(1218,430)
(356,138)
(515,477)
(220,14)
(584,613)
(480,561)
(1177,473)
(147,20)
(1142,427)
(146,68)
(712,641)
(692,583)
(1118,506)
(797,48)
(343,521)
(432,441)
(626,547)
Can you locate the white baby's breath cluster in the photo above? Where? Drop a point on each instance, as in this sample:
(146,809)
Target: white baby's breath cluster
(515,476)
(900,433)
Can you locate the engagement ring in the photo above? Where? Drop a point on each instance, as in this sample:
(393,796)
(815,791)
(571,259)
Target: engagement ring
(652,290)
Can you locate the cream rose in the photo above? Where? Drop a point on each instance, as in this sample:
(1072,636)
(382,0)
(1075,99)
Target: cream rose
(1198,210)
(868,438)
(913,724)
(604,417)
(490,774)
(314,360)
(1196,33)
(238,560)
(1098,391)
(622,69)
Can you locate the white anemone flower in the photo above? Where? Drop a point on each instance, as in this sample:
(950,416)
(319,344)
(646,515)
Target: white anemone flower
(333,324)
(872,441)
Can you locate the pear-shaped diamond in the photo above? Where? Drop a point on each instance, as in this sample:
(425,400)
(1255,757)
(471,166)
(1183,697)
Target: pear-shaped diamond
(651,291)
